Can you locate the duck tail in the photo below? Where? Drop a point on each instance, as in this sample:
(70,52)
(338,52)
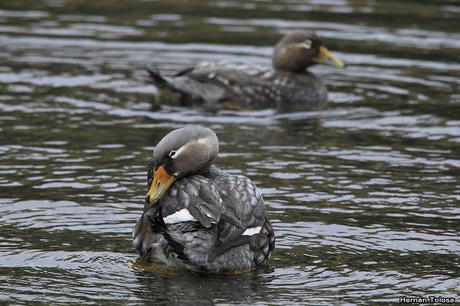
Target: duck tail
(263,244)
(186,90)
(268,229)
(157,78)
(162,82)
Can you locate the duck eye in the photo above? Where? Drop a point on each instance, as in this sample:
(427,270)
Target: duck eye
(173,154)
(307,44)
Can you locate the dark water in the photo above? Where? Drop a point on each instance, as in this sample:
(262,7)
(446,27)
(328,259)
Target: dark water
(364,196)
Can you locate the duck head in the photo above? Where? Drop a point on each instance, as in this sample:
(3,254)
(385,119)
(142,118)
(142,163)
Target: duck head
(183,152)
(299,50)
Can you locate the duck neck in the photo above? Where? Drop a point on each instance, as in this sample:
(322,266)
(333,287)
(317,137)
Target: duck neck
(211,171)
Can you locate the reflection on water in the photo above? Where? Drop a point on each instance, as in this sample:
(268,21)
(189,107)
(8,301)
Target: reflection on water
(364,195)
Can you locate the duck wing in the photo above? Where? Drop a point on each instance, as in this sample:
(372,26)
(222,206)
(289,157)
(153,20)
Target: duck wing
(208,223)
(243,202)
(212,84)
(246,86)
(188,89)
(189,217)
(250,86)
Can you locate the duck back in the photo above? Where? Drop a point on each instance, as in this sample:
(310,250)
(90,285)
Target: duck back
(218,85)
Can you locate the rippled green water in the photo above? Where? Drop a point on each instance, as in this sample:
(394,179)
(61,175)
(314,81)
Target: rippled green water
(364,196)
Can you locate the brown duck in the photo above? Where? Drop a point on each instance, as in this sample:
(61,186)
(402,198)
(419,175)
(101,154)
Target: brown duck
(288,86)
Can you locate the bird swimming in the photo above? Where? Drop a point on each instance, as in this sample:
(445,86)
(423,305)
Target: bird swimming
(197,216)
(287,86)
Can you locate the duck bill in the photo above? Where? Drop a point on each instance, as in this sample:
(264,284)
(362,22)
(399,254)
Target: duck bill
(327,58)
(162,180)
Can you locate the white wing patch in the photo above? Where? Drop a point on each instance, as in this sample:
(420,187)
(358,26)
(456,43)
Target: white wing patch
(182,215)
(252,230)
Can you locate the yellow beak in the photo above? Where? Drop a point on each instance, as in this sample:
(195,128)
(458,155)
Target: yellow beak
(326,57)
(162,180)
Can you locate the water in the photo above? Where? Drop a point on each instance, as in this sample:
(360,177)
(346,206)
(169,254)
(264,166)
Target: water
(364,196)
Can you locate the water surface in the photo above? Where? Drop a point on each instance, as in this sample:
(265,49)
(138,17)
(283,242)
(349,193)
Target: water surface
(364,196)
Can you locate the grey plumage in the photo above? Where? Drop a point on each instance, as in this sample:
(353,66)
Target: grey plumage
(222,207)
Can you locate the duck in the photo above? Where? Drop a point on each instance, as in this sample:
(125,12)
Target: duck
(286,86)
(198,217)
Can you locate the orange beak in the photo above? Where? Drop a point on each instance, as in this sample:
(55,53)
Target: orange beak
(162,180)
